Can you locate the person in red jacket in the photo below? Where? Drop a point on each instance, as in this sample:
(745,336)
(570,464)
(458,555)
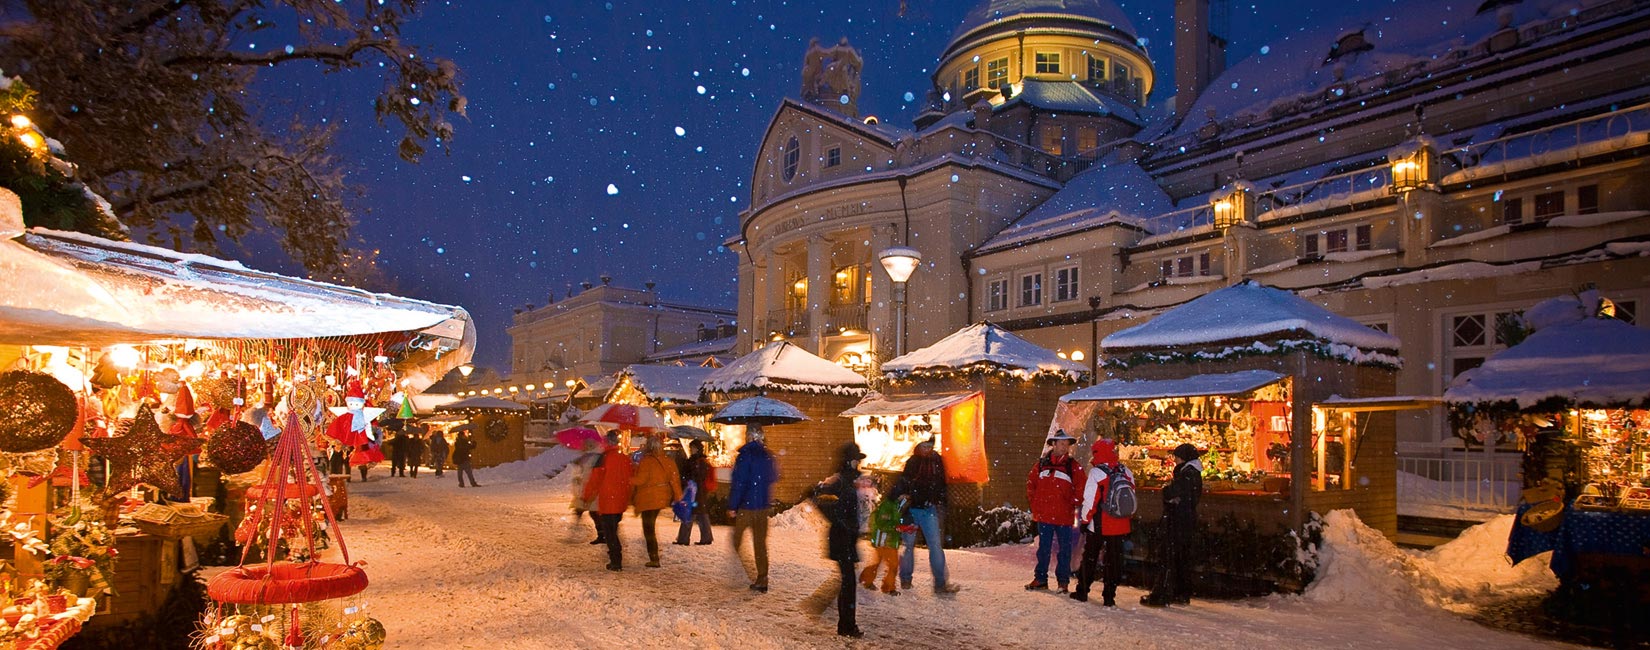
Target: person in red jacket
(1104,531)
(1053,490)
(609,487)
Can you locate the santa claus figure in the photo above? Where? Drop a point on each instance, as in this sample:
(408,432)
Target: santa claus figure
(353,428)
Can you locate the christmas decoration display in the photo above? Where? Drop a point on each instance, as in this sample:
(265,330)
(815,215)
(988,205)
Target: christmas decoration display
(82,555)
(143,454)
(237,447)
(36,411)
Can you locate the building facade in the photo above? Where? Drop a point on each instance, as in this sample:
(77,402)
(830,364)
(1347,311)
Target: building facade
(1433,177)
(598,332)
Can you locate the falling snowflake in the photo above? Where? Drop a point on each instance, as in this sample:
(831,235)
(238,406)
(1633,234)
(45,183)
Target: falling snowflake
(612,190)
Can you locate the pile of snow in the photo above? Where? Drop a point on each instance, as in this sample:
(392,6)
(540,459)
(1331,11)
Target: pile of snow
(549,462)
(803,516)
(1359,566)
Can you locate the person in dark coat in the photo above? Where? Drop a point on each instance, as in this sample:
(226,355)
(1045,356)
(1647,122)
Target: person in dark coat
(1180,499)
(696,469)
(415,452)
(438,452)
(925,503)
(398,454)
(837,498)
(462,448)
(338,462)
(749,497)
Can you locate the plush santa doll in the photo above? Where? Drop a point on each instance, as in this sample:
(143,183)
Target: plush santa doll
(353,426)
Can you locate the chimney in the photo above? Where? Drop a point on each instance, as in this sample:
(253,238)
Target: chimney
(1199,49)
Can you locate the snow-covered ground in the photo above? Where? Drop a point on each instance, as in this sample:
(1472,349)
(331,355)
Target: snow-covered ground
(506,566)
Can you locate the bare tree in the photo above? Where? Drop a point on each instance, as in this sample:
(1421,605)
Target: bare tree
(155,101)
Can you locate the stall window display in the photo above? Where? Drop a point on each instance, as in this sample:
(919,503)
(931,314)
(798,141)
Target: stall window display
(888,440)
(1245,439)
(1615,457)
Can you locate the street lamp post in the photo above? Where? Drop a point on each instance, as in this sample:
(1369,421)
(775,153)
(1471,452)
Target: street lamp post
(1094,340)
(900,262)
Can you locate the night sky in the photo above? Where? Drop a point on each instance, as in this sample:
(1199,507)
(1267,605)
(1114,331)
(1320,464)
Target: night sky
(663,100)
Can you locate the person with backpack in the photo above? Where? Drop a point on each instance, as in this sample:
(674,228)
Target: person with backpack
(1108,509)
(701,477)
(1180,499)
(1053,490)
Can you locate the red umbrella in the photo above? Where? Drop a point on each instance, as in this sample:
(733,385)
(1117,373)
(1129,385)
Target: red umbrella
(575,437)
(625,416)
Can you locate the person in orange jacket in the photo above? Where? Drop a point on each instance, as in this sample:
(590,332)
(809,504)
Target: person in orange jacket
(656,484)
(609,486)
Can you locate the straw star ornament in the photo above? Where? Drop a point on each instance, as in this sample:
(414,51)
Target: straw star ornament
(143,454)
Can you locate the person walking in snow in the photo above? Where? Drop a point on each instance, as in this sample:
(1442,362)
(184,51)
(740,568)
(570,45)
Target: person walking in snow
(837,497)
(337,462)
(885,538)
(462,450)
(926,503)
(749,497)
(438,451)
(696,470)
(609,488)
(579,475)
(655,485)
(415,452)
(398,454)
(1054,491)
(1180,499)
(1103,550)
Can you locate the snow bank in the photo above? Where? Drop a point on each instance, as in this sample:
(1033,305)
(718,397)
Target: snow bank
(803,516)
(532,469)
(1359,566)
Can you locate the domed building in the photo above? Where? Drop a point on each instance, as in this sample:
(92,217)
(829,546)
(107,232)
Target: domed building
(1429,170)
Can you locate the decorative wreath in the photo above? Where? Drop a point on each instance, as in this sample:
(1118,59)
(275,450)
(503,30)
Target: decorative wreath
(1242,424)
(496,430)
(36,411)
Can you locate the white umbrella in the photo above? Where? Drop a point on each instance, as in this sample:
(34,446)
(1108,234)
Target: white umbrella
(758,411)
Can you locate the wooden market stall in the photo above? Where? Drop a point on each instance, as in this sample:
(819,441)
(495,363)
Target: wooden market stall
(1250,375)
(985,394)
(673,391)
(125,368)
(822,390)
(1575,394)
(496,425)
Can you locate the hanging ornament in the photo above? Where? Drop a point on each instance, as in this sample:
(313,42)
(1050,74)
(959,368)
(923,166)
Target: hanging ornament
(36,411)
(143,454)
(236,448)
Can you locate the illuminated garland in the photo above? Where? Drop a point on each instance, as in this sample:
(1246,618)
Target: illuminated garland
(1320,349)
(986,368)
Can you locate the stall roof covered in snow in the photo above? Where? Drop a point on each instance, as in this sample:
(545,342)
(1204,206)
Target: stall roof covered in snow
(1231,383)
(876,404)
(1112,191)
(984,347)
(1597,362)
(661,383)
(481,403)
(711,348)
(783,366)
(1247,312)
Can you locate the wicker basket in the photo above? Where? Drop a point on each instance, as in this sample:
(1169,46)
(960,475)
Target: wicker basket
(206,525)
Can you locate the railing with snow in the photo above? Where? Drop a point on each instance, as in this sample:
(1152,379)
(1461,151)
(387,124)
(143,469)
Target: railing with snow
(1568,142)
(1344,190)
(1437,486)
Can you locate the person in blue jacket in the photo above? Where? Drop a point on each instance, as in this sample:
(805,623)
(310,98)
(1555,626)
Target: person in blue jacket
(749,497)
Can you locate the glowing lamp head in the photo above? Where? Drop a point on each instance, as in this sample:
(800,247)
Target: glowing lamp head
(124,356)
(466,369)
(900,262)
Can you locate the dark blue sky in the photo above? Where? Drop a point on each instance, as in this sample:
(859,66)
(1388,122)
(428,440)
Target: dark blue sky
(567,98)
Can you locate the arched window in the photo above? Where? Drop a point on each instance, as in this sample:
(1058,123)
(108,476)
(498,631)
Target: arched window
(793,157)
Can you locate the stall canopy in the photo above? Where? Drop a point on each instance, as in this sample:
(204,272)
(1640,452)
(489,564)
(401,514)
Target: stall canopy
(876,404)
(661,384)
(106,292)
(782,366)
(1591,362)
(481,403)
(425,403)
(1245,319)
(984,346)
(1231,383)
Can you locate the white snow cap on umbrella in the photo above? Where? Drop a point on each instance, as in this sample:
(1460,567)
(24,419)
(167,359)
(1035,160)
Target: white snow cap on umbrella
(758,410)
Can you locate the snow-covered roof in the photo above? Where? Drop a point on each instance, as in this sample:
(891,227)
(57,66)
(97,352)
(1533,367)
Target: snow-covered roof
(1072,97)
(1230,383)
(424,403)
(712,347)
(664,383)
(1112,191)
(481,403)
(784,366)
(877,404)
(1590,361)
(989,12)
(1406,40)
(984,347)
(1248,311)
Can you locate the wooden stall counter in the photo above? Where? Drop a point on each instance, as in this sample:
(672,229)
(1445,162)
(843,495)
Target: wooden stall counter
(146,570)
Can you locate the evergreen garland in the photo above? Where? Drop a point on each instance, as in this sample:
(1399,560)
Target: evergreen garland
(51,197)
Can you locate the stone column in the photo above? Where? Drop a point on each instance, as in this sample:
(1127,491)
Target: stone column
(1418,214)
(819,290)
(772,292)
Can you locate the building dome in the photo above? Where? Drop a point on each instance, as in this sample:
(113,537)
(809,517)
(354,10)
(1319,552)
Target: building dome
(994,16)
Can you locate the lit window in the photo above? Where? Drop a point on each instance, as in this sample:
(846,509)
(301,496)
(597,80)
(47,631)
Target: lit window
(1088,139)
(971,79)
(996,73)
(1048,63)
(1051,139)
(996,295)
(1031,290)
(833,156)
(1065,284)
(793,157)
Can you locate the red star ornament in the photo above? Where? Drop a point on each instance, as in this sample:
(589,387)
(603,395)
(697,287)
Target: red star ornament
(143,454)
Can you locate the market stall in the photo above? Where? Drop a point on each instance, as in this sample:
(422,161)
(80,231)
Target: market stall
(820,389)
(497,427)
(140,369)
(985,394)
(673,391)
(1252,376)
(1575,394)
